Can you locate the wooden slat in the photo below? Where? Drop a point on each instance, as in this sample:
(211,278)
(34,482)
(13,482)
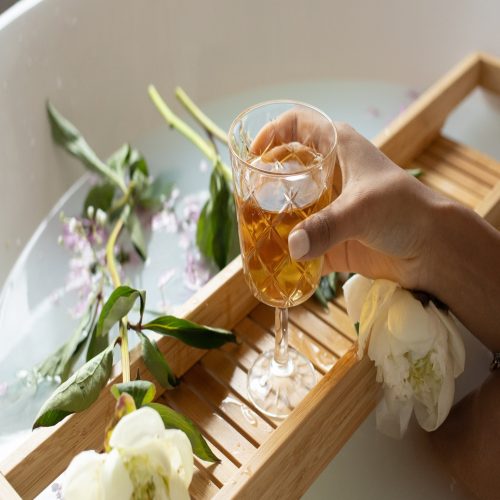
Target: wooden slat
(490,73)
(457,159)
(444,169)
(235,446)
(47,452)
(226,371)
(333,410)
(447,187)
(228,405)
(201,487)
(420,123)
(489,207)
(219,473)
(7,492)
(472,155)
(340,301)
(335,341)
(321,358)
(324,336)
(335,316)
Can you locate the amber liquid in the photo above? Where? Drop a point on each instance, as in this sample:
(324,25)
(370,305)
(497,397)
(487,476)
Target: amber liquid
(266,218)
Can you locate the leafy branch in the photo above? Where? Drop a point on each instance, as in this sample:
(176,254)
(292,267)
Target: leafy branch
(217,230)
(125,188)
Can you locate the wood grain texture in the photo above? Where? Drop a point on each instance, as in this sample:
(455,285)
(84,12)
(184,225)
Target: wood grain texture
(490,73)
(47,452)
(201,485)
(333,410)
(414,129)
(489,207)
(229,405)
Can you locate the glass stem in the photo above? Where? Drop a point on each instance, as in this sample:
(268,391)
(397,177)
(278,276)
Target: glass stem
(281,336)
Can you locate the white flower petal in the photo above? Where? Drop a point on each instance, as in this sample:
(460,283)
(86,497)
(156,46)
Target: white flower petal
(115,479)
(356,289)
(375,305)
(455,341)
(408,321)
(376,302)
(430,417)
(82,479)
(379,347)
(182,460)
(155,451)
(178,490)
(392,415)
(140,425)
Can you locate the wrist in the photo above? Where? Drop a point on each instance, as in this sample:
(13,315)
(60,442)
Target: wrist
(462,268)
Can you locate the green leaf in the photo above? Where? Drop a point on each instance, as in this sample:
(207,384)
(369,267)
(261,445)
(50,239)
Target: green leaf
(155,195)
(69,137)
(173,420)
(100,196)
(193,334)
(416,172)
(61,362)
(332,282)
(327,289)
(143,391)
(97,344)
(356,327)
(156,363)
(217,235)
(118,305)
(118,160)
(320,297)
(136,235)
(204,232)
(78,392)
(137,163)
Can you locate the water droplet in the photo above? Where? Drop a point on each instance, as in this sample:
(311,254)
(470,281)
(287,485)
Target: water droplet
(246,412)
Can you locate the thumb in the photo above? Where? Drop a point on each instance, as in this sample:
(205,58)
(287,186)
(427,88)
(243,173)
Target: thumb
(319,232)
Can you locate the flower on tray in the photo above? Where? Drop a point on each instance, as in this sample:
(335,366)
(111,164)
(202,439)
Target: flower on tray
(417,350)
(144,461)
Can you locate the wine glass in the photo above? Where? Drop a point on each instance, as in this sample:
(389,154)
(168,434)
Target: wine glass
(283,156)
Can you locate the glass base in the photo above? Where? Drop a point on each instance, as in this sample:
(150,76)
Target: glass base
(277,389)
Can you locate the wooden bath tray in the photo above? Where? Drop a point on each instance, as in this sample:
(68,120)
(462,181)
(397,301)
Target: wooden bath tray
(261,457)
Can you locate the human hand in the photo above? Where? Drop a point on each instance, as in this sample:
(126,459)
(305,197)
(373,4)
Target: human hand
(381,223)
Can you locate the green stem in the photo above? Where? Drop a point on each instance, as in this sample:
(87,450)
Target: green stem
(211,127)
(174,121)
(115,278)
(123,200)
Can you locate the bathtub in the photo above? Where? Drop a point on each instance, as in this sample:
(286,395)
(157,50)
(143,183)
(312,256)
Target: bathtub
(362,62)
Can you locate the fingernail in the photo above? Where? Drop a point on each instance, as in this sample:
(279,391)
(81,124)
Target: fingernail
(298,244)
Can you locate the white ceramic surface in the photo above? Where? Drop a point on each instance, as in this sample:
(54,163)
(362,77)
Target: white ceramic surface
(95,58)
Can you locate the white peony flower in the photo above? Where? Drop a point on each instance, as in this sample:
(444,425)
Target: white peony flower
(146,461)
(417,350)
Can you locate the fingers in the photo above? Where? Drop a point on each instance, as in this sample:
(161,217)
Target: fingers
(279,131)
(296,125)
(319,232)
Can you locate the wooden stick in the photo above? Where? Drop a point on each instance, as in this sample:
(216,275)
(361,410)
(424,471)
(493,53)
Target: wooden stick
(420,123)
(490,73)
